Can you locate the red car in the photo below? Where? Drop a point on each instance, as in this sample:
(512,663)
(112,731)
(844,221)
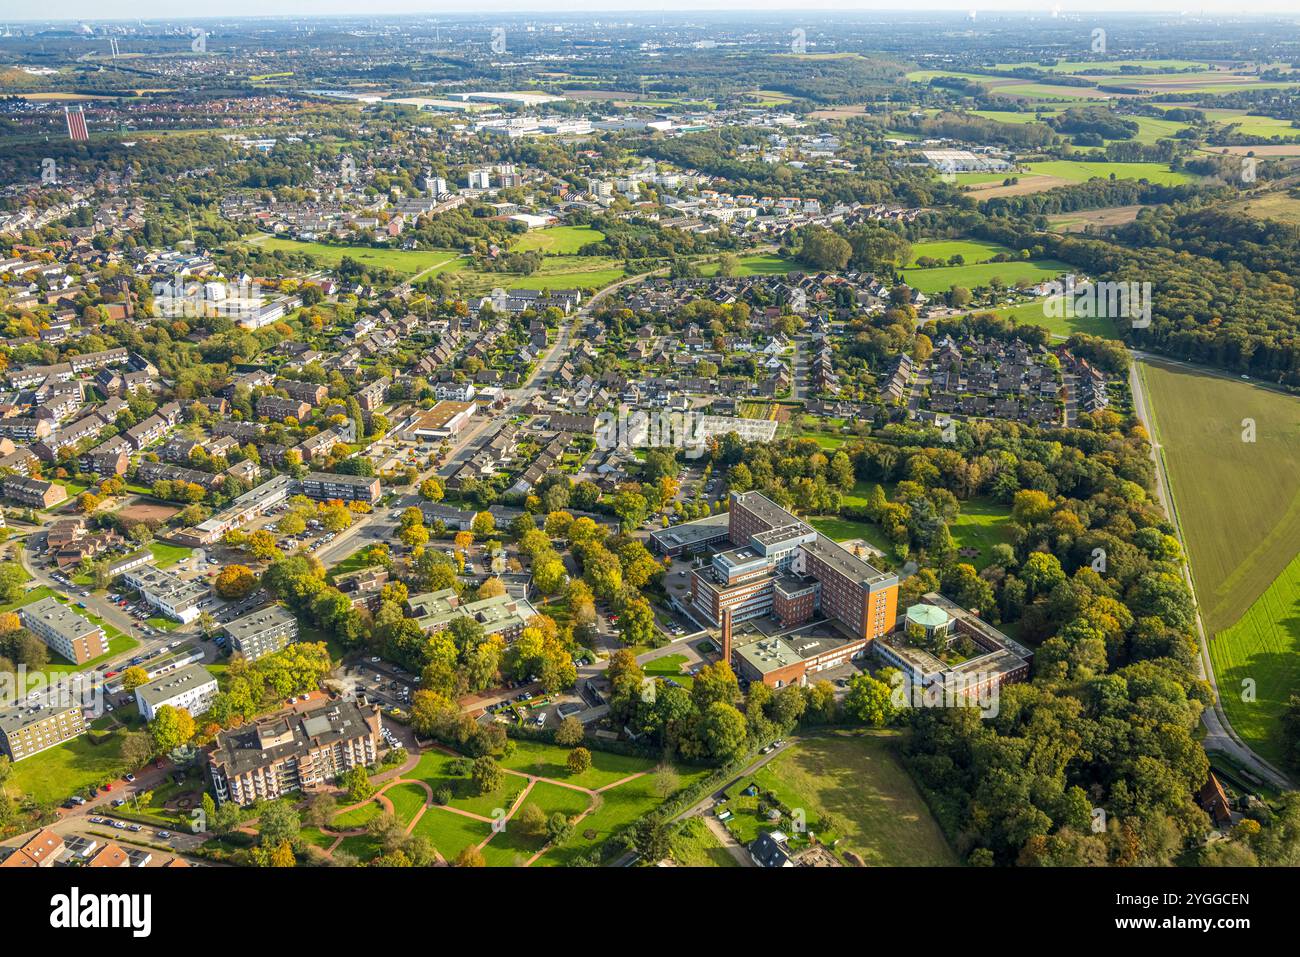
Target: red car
(108,787)
(110,674)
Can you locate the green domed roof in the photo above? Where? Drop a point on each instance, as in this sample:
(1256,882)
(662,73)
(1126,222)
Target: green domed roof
(927,616)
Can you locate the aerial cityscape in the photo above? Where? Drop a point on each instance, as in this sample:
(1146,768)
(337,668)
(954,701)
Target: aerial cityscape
(842,439)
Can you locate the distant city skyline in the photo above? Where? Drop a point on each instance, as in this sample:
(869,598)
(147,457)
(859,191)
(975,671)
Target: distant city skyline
(102,10)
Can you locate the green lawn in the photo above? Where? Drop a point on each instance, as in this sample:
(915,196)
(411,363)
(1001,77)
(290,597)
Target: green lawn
(617,808)
(856,778)
(434,769)
(1080,172)
(694,845)
(556,272)
(548,761)
(981,524)
(57,773)
(167,555)
(972,250)
(842,529)
(558,240)
(405,262)
(450,833)
(942,279)
(407,800)
(363,847)
(1034,313)
(318,838)
(1263,647)
(511,847)
(357,817)
(670,666)
(1238,504)
(759,265)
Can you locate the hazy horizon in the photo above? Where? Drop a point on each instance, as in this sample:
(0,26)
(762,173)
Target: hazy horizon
(108,10)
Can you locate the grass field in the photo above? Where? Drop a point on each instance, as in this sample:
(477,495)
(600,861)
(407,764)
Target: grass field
(58,772)
(1080,172)
(669,666)
(434,770)
(1032,314)
(357,817)
(972,250)
(167,555)
(1238,501)
(407,799)
(694,845)
(402,261)
(764,264)
(981,524)
(1033,271)
(556,272)
(512,847)
(451,833)
(548,761)
(558,240)
(855,778)
(1239,506)
(1263,647)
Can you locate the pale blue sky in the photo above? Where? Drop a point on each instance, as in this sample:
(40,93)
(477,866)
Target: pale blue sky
(170,10)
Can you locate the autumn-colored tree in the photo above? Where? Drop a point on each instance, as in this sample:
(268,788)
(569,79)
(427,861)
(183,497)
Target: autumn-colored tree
(235,582)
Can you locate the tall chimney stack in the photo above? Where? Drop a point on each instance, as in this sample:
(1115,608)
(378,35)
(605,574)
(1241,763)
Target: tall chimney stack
(726,636)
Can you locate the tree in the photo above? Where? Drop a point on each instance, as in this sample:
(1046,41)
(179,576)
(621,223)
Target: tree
(12,578)
(356,782)
(470,857)
(282,855)
(531,819)
(823,249)
(570,732)
(579,760)
(636,625)
(870,701)
(134,677)
(483,525)
(413,536)
(722,731)
(486,775)
(171,727)
(278,824)
(235,582)
(558,828)
(431,489)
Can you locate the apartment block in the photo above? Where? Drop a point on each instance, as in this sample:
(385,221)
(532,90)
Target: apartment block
(262,632)
(67,633)
(327,486)
(191,688)
(35,725)
(293,751)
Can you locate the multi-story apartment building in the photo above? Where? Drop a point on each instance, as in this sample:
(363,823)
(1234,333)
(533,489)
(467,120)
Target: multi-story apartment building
(168,593)
(69,634)
(371,396)
(262,632)
(326,486)
(35,725)
(281,410)
(191,688)
(293,751)
(35,493)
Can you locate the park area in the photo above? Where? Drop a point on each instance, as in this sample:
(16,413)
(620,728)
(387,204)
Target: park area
(436,800)
(1237,496)
(851,792)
